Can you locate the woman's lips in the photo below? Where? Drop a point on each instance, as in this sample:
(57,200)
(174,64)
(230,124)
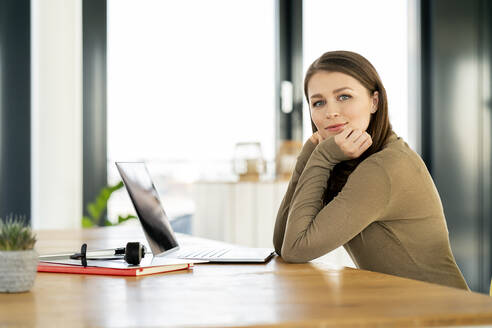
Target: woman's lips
(336,128)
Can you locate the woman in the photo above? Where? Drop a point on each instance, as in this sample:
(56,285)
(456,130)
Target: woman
(357,184)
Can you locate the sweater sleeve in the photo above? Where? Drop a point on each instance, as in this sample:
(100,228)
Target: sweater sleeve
(311,230)
(279,229)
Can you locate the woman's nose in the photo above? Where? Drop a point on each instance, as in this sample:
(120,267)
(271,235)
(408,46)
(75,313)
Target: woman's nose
(330,114)
(331,110)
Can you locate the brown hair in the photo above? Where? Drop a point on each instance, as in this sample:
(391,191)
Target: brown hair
(379,128)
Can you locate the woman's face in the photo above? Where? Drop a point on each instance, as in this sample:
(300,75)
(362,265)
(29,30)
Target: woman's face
(337,99)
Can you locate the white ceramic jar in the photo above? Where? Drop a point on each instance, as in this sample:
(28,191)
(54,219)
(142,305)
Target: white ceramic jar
(17,270)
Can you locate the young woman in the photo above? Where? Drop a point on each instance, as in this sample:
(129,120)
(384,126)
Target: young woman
(357,184)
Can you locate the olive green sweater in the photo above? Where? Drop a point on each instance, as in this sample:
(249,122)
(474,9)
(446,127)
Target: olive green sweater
(388,216)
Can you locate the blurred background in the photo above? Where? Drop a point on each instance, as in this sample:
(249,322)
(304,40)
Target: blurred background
(209,94)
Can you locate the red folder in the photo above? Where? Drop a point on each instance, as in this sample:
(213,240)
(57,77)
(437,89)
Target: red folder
(129,271)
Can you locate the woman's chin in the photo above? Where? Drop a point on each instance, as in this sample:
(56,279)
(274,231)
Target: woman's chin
(330,134)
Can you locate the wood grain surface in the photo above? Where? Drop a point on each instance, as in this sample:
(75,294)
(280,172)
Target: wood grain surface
(230,295)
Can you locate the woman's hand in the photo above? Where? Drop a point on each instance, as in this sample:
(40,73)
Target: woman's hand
(316,138)
(353,142)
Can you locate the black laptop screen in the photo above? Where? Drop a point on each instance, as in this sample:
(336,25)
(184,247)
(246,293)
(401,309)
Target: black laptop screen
(146,201)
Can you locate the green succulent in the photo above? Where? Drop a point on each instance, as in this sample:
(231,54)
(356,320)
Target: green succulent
(15,235)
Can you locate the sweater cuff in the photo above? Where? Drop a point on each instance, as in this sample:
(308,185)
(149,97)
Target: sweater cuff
(331,152)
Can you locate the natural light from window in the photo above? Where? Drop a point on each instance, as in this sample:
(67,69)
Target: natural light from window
(189,79)
(186,81)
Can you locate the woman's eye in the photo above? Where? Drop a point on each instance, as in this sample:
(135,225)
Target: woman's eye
(344,97)
(318,103)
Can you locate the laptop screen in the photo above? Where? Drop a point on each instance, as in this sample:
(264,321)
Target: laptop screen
(145,198)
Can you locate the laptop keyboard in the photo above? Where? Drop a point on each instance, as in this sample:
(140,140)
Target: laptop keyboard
(203,254)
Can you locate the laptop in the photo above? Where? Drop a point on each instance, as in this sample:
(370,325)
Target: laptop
(158,230)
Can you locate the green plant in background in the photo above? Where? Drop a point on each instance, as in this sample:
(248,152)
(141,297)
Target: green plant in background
(15,235)
(97,209)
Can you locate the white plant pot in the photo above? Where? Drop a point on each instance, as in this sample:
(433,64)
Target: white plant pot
(17,270)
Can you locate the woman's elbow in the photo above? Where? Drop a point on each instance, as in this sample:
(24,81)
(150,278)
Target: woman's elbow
(277,250)
(277,244)
(291,255)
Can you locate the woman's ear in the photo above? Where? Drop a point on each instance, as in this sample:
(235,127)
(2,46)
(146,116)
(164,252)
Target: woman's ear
(375,102)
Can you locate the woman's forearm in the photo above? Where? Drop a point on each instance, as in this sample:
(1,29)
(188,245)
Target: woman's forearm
(279,229)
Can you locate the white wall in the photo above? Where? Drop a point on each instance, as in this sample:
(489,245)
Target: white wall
(56,87)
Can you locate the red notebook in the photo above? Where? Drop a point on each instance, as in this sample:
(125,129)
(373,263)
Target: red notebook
(114,268)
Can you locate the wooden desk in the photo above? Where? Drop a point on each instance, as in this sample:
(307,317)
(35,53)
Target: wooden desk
(273,294)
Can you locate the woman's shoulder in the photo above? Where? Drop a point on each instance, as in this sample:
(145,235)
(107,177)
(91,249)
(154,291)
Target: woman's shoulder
(397,157)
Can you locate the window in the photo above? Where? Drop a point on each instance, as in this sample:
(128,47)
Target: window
(187,80)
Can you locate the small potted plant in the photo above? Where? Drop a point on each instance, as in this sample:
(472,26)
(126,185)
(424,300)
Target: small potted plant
(18,259)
